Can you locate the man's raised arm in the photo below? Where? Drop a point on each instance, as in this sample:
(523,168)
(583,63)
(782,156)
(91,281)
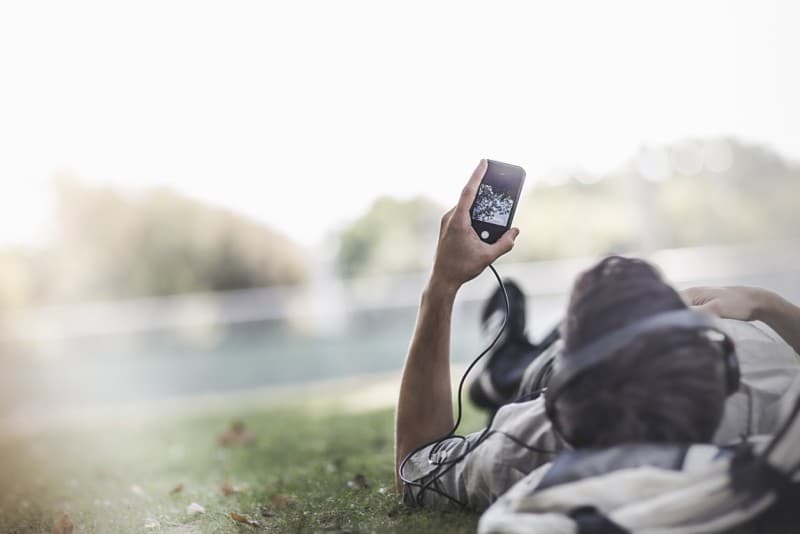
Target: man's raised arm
(750,304)
(425,408)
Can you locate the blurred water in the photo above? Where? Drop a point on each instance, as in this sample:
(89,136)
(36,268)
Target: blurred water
(146,365)
(115,353)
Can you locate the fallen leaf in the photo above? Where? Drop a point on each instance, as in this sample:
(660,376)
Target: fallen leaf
(239,518)
(282,500)
(359,482)
(152,523)
(63,525)
(236,434)
(137,490)
(229,489)
(194,509)
(176,489)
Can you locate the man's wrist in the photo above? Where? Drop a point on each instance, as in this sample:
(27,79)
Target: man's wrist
(440,288)
(767,304)
(773,308)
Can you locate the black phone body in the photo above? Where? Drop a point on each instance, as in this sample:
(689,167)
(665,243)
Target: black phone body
(496,202)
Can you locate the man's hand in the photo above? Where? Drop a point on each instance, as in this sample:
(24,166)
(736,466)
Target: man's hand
(740,303)
(460,253)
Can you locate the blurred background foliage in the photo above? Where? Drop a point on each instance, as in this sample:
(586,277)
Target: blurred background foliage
(393,236)
(110,244)
(718,191)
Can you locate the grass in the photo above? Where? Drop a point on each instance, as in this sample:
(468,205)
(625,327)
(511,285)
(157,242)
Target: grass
(118,478)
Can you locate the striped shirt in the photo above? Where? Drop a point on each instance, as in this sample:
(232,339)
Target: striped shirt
(521,438)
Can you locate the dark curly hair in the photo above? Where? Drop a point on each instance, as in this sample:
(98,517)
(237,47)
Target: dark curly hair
(665,387)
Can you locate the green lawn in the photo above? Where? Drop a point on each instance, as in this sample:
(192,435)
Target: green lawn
(118,477)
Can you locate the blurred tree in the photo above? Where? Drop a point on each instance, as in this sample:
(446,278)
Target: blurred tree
(736,193)
(110,244)
(725,191)
(394,236)
(17,277)
(574,219)
(157,242)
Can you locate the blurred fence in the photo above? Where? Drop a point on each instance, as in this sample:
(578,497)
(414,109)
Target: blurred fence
(112,352)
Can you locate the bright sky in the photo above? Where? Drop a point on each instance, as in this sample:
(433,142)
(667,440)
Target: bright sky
(300,113)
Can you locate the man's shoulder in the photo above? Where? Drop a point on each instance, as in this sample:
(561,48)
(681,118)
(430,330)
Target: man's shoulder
(750,331)
(770,374)
(756,342)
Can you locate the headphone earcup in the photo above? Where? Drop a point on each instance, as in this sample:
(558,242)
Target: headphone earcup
(733,374)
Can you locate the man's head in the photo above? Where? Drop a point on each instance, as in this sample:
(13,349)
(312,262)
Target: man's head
(667,386)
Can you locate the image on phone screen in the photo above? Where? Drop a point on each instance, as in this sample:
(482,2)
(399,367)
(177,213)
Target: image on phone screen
(494,203)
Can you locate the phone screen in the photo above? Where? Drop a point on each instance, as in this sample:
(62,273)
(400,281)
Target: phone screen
(495,203)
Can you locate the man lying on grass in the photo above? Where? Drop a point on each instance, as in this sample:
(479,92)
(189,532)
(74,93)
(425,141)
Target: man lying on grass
(665,388)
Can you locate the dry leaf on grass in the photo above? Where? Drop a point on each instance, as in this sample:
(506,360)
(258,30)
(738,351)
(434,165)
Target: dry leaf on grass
(282,500)
(236,434)
(194,509)
(359,482)
(63,525)
(239,518)
(152,523)
(229,489)
(176,489)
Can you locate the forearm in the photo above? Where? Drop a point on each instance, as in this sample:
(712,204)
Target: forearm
(424,408)
(425,405)
(782,316)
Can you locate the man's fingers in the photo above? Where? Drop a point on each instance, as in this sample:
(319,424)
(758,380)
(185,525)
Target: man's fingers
(688,295)
(505,243)
(471,189)
(695,295)
(711,307)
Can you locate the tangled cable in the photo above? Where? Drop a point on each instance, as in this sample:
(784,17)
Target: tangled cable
(443,466)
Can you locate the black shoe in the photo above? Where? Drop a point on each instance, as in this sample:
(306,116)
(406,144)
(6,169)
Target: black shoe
(499,379)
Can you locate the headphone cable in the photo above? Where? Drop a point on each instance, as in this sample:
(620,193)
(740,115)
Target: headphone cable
(436,444)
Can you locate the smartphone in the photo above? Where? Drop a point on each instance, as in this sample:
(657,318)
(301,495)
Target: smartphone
(496,201)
